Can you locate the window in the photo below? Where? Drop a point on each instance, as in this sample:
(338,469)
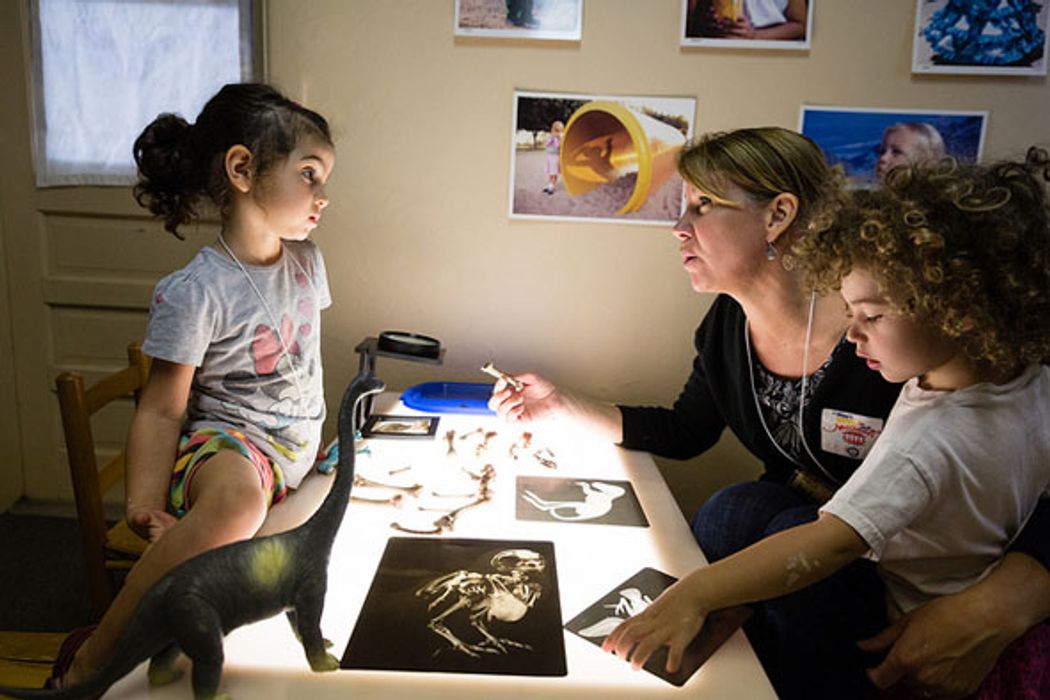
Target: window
(103,69)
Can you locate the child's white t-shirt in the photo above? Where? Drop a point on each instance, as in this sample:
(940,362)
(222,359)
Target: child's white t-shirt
(209,316)
(949,484)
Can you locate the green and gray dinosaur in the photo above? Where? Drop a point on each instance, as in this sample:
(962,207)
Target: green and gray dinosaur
(192,607)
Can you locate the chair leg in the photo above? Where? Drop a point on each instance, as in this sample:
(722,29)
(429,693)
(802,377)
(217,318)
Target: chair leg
(100,583)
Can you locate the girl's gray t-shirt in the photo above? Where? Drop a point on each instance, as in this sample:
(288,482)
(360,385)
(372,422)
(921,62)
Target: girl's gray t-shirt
(209,315)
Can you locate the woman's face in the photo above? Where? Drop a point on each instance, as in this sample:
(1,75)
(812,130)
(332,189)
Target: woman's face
(721,246)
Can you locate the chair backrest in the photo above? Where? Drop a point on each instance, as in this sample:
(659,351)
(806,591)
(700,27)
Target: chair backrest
(77,404)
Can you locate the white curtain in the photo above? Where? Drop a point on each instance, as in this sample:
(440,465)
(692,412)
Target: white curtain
(103,69)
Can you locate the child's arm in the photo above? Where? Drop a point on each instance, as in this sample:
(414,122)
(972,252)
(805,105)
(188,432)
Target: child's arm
(152,443)
(780,564)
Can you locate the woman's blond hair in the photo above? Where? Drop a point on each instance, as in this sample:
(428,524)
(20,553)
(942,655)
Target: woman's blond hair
(763,162)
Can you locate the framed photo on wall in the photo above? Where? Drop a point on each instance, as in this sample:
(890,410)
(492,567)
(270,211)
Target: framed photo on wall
(598,157)
(980,38)
(868,143)
(747,24)
(520,19)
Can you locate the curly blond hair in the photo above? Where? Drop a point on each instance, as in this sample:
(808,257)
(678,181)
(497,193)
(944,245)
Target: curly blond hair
(966,248)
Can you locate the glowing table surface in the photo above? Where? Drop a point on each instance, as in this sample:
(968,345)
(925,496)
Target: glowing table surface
(264,659)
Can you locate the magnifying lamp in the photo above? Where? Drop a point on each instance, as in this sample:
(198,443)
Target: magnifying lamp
(400,345)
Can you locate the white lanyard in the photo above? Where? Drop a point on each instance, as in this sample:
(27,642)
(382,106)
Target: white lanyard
(269,312)
(801,398)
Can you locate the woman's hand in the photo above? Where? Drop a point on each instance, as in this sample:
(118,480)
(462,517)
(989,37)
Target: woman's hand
(150,523)
(947,647)
(538,399)
(673,620)
(933,650)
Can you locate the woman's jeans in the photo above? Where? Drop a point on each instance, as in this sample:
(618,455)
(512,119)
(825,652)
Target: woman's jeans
(806,641)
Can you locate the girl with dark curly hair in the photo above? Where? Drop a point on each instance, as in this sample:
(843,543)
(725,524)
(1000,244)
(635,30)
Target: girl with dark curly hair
(946,273)
(231,415)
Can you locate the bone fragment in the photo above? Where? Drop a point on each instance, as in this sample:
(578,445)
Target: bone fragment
(487,368)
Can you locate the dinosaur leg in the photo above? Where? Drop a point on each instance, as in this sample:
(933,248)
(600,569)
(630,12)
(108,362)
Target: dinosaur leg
(162,667)
(307,616)
(197,628)
(293,620)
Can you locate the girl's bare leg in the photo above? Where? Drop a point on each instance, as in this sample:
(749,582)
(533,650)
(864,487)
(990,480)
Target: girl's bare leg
(228,504)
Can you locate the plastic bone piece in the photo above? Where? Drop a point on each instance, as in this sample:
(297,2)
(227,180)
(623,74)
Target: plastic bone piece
(487,368)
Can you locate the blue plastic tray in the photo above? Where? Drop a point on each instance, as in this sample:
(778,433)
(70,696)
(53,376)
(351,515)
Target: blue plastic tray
(449,397)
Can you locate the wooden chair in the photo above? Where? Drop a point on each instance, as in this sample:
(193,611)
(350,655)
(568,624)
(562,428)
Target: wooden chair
(106,549)
(26,658)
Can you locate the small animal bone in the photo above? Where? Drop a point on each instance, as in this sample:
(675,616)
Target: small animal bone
(545,457)
(416,531)
(450,437)
(487,472)
(392,500)
(487,368)
(446,520)
(475,431)
(526,440)
(484,443)
(448,517)
(365,481)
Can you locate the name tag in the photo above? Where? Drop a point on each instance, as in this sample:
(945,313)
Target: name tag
(848,434)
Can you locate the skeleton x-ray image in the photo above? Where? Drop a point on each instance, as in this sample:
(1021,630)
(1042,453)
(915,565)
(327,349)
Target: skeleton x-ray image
(603,502)
(632,597)
(461,605)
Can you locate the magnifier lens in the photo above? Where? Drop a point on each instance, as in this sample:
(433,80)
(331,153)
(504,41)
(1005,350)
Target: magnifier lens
(409,344)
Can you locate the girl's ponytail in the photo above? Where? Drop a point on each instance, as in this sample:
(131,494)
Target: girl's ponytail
(169,182)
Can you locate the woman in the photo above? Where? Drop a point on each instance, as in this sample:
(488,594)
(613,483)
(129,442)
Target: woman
(773,365)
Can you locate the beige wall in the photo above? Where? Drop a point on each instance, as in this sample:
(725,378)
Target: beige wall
(417,237)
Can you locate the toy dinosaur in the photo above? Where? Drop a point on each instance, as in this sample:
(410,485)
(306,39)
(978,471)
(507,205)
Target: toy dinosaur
(193,606)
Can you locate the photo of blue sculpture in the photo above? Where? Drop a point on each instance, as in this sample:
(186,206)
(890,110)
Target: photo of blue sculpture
(1007,37)
(868,143)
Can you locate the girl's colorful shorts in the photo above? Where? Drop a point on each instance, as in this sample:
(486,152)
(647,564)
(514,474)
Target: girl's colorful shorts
(198,447)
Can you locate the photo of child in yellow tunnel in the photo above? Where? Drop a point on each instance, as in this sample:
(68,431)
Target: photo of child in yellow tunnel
(594,157)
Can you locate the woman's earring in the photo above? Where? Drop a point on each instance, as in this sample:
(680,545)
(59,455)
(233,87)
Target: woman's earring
(771,252)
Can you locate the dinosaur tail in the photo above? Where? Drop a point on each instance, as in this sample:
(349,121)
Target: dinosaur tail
(139,641)
(86,690)
(117,669)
